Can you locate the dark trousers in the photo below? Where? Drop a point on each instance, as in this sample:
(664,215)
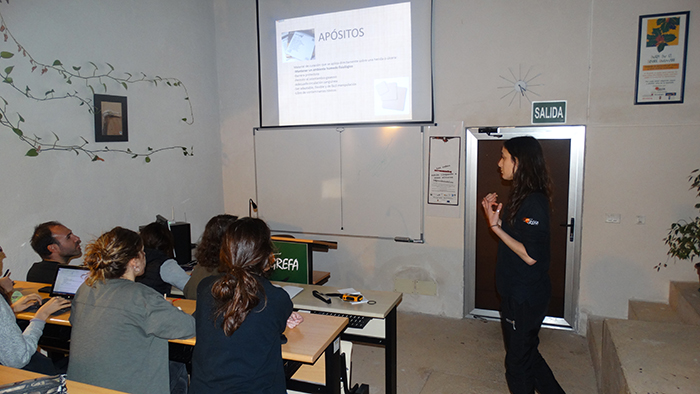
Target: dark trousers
(41,364)
(526,370)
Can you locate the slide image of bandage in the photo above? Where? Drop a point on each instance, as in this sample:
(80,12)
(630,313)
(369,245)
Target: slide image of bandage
(391,95)
(299,45)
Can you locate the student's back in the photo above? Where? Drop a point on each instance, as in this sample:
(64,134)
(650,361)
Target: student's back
(250,360)
(119,336)
(120,329)
(239,346)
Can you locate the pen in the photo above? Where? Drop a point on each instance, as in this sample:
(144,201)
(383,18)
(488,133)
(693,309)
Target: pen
(7,272)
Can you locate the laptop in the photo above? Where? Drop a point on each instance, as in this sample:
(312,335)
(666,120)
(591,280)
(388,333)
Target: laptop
(67,280)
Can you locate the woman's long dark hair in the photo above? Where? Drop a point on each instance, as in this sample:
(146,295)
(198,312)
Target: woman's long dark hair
(207,252)
(530,173)
(246,255)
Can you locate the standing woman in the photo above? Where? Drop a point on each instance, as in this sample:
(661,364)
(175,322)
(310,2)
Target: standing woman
(120,328)
(522,276)
(241,317)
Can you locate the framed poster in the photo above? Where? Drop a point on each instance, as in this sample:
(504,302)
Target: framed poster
(661,53)
(110,118)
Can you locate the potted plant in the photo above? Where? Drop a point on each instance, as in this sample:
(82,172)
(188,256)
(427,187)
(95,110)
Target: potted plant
(683,238)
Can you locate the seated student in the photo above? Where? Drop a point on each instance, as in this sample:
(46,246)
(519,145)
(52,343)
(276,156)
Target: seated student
(55,244)
(241,317)
(120,329)
(18,348)
(162,270)
(207,253)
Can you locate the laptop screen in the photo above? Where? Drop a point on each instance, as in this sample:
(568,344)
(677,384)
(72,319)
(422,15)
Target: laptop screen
(68,280)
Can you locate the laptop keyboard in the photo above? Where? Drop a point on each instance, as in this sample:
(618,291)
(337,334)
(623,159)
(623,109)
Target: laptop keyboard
(35,307)
(354,320)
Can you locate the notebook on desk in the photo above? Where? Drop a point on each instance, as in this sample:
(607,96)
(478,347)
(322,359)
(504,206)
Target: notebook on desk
(67,280)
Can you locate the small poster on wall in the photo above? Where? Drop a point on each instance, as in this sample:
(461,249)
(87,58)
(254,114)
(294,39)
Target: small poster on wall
(443,187)
(661,53)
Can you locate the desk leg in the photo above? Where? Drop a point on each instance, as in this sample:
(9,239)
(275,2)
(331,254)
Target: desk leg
(333,367)
(390,352)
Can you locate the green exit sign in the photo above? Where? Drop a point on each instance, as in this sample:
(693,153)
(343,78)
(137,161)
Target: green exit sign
(545,112)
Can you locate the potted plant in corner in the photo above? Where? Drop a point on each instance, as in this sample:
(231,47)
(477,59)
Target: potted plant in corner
(683,238)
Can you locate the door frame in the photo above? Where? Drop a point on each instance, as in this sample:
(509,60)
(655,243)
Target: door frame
(577,135)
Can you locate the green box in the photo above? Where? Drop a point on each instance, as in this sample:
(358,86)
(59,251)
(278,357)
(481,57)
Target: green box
(292,262)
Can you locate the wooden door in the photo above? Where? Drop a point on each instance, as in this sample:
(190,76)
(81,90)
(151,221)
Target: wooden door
(557,153)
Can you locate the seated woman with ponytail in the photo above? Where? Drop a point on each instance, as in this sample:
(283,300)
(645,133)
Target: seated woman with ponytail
(241,317)
(121,328)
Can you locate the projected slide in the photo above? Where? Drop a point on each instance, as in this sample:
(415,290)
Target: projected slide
(349,66)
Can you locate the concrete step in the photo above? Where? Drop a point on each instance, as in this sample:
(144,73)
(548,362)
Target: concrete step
(652,311)
(649,357)
(594,335)
(653,351)
(684,298)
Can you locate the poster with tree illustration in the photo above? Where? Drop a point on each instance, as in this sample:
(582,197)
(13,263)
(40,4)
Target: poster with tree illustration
(661,53)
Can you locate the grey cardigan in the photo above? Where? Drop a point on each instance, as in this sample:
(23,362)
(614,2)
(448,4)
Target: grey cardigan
(17,346)
(119,338)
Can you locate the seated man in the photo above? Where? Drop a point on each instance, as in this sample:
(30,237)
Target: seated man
(56,244)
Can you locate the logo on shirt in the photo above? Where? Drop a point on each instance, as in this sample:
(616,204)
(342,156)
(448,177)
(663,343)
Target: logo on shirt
(531,222)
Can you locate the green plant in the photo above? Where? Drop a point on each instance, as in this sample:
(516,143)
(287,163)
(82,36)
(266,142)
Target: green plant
(73,79)
(683,238)
(662,34)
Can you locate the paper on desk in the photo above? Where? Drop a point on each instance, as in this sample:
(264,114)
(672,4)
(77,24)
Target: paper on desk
(292,290)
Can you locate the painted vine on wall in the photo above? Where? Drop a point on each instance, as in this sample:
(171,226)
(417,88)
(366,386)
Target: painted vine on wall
(74,84)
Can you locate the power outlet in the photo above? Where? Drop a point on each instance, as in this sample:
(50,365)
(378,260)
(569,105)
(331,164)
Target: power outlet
(613,218)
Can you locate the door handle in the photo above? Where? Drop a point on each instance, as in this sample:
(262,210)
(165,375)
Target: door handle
(571,229)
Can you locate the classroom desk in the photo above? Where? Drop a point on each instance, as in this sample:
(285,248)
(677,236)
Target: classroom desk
(12,375)
(317,335)
(381,330)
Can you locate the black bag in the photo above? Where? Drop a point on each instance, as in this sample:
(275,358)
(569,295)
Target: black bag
(43,385)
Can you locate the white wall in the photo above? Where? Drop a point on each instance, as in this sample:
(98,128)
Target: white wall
(637,157)
(637,163)
(169,38)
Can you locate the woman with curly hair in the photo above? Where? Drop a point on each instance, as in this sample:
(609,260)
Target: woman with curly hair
(120,328)
(522,264)
(241,317)
(207,253)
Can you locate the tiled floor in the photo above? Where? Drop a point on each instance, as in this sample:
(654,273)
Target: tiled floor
(441,355)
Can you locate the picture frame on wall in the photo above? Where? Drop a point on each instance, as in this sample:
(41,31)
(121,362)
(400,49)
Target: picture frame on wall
(661,57)
(110,118)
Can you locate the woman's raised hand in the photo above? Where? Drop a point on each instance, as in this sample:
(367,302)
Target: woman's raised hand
(492,209)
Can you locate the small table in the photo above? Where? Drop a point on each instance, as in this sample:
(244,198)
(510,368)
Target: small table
(381,330)
(12,375)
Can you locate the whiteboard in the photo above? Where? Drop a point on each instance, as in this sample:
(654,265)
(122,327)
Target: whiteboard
(361,181)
